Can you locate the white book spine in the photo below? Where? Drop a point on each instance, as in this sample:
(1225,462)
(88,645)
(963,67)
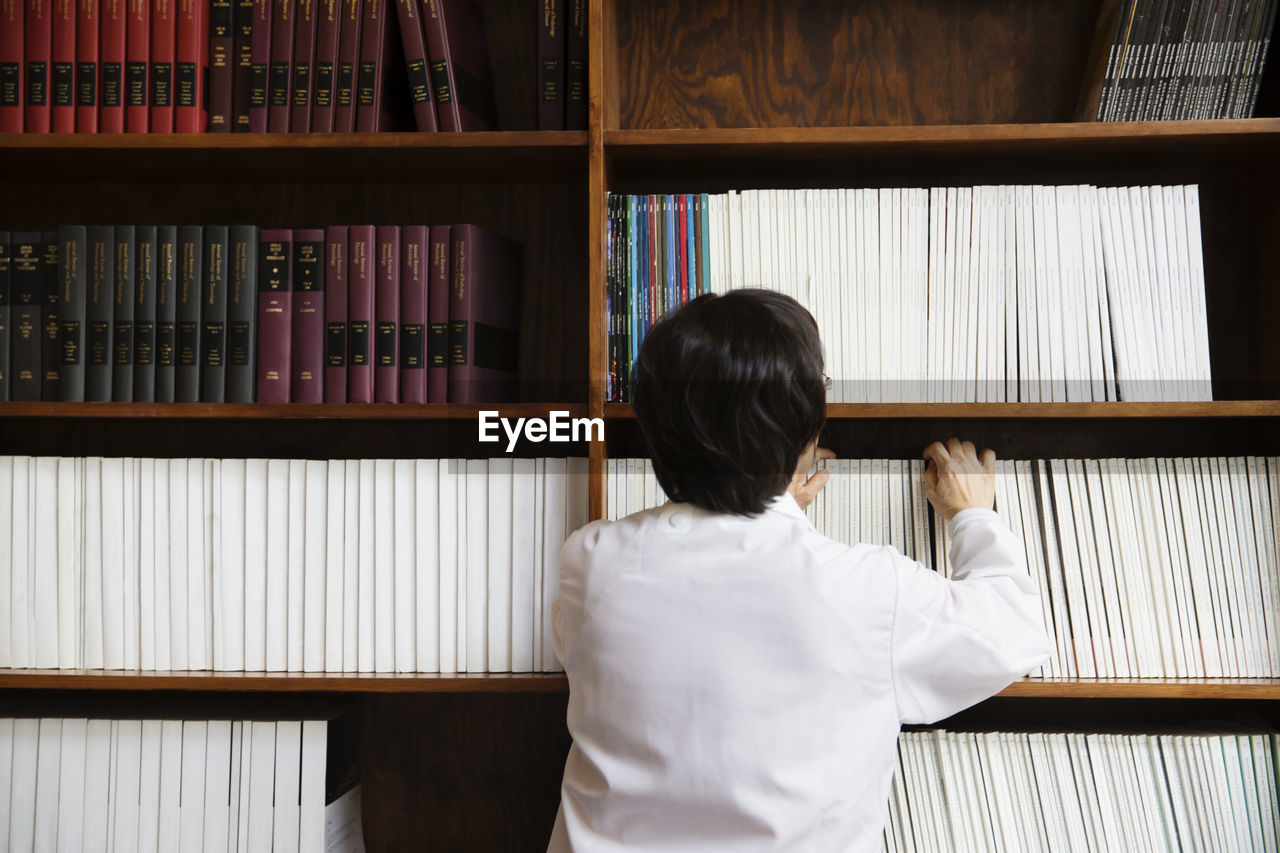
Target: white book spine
(169,813)
(499,522)
(256,485)
(524,520)
(177,529)
(288,761)
(149,781)
(68,621)
(191,807)
(97,764)
(351,565)
(447,502)
(113,592)
(71,782)
(277,566)
(48,755)
(232,567)
(217,785)
(384,555)
(147,566)
(406,599)
(126,789)
(366,590)
(7,568)
(197,570)
(427,564)
(262,763)
(313,565)
(335,554)
(477,563)
(311,806)
(296,576)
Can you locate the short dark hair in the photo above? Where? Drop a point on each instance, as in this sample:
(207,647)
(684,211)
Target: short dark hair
(728,392)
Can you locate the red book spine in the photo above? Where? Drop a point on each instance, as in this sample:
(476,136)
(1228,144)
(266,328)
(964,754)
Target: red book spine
(281,63)
(308,316)
(242,13)
(484,307)
(87,79)
(458,52)
(11,65)
(260,66)
(137,55)
(551,65)
(335,314)
(373,36)
(438,316)
(163,32)
(344,116)
(275,314)
(325,70)
(192,57)
(414,272)
(360,298)
(221,64)
(304,52)
(115,22)
(38,56)
(386,336)
(575,68)
(682,214)
(415,56)
(62,89)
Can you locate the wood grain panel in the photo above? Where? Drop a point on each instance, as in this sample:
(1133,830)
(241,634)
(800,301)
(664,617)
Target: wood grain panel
(822,63)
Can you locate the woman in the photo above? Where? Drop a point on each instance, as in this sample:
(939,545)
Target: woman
(737,680)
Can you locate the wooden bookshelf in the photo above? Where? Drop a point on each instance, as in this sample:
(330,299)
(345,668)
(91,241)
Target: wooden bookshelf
(683,97)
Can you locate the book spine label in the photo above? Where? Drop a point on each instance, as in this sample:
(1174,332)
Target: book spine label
(50,363)
(163,33)
(415,56)
(349,40)
(37,57)
(438,316)
(5,293)
(369,75)
(122,317)
(260,66)
(329,16)
(26,279)
(242,18)
(144,314)
(414,273)
(304,49)
(186,382)
(11,66)
(360,299)
(308,316)
(72,254)
(386,344)
(242,313)
(166,312)
(335,315)
(63,67)
(575,70)
(275,317)
(221,65)
(137,57)
(551,59)
(213,317)
(115,24)
(87,82)
(98,313)
(278,87)
(190,107)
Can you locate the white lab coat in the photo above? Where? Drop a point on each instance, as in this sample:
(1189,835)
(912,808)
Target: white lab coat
(737,684)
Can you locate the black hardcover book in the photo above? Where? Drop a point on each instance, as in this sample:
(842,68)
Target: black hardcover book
(49,360)
(4,315)
(242,66)
(186,385)
(73,249)
(99,296)
(166,311)
(144,314)
(26,279)
(213,317)
(242,313)
(122,327)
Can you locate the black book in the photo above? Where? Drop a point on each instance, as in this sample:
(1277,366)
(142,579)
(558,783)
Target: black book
(213,317)
(242,313)
(4,315)
(122,334)
(144,314)
(26,279)
(49,360)
(186,385)
(166,311)
(99,296)
(73,249)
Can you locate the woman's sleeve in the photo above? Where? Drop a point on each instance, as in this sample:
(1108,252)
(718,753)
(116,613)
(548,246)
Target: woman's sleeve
(956,642)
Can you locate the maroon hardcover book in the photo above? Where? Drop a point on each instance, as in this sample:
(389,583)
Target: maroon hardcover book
(484,311)
(438,316)
(386,312)
(275,314)
(575,67)
(164,20)
(325,67)
(221,41)
(191,70)
(415,58)
(308,316)
(361,248)
(461,79)
(87,79)
(551,64)
(373,37)
(111,33)
(37,36)
(136,64)
(279,81)
(12,13)
(414,272)
(335,314)
(242,17)
(304,54)
(344,96)
(260,66)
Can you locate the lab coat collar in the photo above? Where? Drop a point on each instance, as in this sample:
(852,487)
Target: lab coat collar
(786,504)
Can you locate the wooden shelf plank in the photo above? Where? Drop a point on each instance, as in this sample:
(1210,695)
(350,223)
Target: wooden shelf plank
(1145,688)
(546,139)
(285,411)
(1026,411)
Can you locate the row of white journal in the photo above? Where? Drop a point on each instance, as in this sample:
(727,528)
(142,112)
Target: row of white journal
(1146,567)
(75,785)
(1016,791)
(369,565)
(986,293)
